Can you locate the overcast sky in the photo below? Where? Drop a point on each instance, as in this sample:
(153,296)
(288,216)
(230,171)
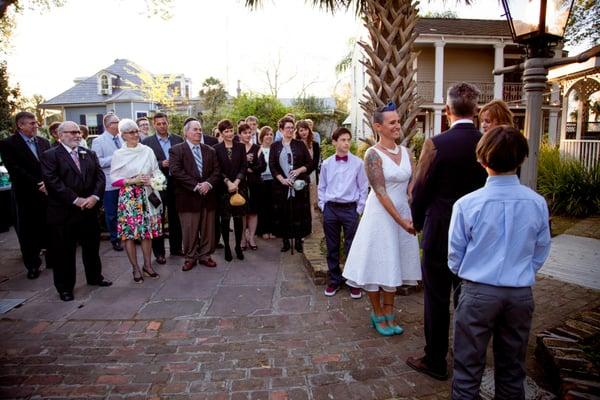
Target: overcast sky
(204,38)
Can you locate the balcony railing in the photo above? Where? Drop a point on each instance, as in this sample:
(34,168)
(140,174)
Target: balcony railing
(512,92)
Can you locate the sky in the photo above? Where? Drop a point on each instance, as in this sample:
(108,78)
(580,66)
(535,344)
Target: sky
(220,38)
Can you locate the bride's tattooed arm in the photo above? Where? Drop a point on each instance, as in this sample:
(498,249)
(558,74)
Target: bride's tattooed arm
(374,169)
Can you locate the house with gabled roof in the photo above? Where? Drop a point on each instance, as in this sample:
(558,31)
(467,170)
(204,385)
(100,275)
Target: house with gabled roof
(112,89)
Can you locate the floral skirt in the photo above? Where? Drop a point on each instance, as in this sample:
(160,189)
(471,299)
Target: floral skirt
(135,219)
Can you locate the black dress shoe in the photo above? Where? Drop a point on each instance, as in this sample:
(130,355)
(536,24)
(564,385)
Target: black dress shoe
(66,296)
(117,246)
(102,283)
(161,260)
(419,365)
(286,245)
(239,253)
(33,274)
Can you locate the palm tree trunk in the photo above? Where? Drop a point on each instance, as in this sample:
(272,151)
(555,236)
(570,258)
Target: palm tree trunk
(390,61)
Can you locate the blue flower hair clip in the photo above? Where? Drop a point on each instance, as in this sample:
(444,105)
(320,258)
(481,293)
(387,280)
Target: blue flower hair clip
(390,106)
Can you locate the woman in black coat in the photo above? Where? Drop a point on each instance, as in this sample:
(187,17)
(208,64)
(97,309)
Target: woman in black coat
(232,160)
(290,161)
(256,166)
(304,134)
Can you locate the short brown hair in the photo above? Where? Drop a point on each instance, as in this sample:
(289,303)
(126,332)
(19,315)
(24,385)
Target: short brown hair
(284,121)
(264,131)
(84,131)
(243,127)
(502,149)
(159,115)
(53,126)
(498,112)
(21,115)
(339,132)
(224,124)
(137,121)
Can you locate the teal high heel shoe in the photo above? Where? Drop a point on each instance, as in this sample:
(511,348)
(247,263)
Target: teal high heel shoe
(375,321)
(397,329)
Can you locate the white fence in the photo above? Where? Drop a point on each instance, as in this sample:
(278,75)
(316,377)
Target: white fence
(586,151)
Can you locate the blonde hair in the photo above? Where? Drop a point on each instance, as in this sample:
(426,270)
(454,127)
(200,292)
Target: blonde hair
(498,112)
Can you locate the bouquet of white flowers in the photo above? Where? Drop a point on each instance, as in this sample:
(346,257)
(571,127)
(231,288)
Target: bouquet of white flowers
(158,182)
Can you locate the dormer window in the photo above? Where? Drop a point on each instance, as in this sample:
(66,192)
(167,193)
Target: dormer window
(104,84)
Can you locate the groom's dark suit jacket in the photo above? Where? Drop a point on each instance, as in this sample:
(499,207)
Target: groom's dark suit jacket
(447,170)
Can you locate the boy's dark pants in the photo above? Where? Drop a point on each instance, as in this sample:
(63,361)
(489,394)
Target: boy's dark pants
(335,217)
(483,311)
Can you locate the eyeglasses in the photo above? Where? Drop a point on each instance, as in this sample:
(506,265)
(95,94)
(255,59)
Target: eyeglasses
(113,122)
(136,132)
(72,132)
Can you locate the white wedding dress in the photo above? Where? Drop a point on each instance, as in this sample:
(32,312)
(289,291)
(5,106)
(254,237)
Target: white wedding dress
(383,255)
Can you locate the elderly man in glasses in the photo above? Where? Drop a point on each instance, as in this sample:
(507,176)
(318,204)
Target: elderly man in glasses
(75,184)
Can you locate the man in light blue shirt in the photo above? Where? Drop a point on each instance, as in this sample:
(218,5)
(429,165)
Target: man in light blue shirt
(498,239)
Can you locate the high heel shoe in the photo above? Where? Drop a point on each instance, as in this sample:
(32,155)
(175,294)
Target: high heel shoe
(152,274)
(382,330)
(396,328)
(228,256)
(139,278)
(239,253)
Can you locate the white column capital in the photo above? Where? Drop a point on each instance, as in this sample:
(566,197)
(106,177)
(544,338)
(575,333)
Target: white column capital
(499,45)
(439,43)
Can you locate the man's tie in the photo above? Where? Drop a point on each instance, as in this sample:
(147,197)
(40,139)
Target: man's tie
(117,142)
(33,147)
(341,158)
(198,158)
(75,158)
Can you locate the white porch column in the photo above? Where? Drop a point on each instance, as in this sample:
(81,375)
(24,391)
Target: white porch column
(437,121)
(564,118)
(498,63)
(427,128)
(438,91)
(579,130)
(553,131)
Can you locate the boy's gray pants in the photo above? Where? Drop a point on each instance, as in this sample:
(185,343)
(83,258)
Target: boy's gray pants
(483,311)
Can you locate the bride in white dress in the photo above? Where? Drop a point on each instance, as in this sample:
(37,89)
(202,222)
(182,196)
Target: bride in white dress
(385,250)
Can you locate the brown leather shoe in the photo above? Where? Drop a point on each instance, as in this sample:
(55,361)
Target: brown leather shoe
(209,262)
(161,260)
(419,365)
(188,265)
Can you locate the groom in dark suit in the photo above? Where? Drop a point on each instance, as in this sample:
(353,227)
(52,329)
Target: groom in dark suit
(21,153)
(160,143)
(75,184)
(447,170)
(196,173)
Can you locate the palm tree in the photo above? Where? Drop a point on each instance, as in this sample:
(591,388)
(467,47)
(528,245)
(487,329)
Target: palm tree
(390,59)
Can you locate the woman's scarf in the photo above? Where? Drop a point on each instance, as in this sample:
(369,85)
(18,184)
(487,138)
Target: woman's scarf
(129,162)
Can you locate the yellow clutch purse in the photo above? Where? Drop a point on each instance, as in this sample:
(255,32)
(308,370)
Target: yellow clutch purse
(237,200)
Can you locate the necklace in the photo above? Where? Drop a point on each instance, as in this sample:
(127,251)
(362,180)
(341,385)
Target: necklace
(395,150)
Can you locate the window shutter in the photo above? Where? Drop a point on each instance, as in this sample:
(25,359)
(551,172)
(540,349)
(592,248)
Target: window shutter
(100,126)
(82,119)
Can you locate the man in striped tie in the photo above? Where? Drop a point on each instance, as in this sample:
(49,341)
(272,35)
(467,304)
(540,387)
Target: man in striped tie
(195,171)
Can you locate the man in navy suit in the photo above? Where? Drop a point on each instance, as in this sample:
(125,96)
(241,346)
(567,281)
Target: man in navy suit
(75,184)
(160,144)
(447,170)
(21,153)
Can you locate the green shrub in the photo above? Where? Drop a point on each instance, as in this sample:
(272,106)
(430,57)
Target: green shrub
(416,144)
(569,188)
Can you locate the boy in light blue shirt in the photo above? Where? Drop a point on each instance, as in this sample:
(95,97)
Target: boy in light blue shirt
(498,239)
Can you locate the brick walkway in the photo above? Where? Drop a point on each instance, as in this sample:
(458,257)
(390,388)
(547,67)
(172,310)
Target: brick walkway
(253,330)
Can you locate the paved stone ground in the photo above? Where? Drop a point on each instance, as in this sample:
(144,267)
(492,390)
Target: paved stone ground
(258,329)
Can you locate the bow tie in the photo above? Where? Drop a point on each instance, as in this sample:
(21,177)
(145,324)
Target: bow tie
(341,158)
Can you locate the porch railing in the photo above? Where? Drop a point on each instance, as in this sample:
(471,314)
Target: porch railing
(586,151)
(512,92)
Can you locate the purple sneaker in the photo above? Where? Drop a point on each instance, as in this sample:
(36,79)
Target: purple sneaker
(331,290)
(355,293)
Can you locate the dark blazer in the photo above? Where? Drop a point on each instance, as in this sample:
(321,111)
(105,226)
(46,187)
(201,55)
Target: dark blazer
(316,158)
(236,167)
(256,167)
(447,170)
(210,140)
(152,142)
(185,175)
(24,168)
(65,183)
(301,158)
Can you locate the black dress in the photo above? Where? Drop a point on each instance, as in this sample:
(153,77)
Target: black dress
(292,217)
(233,166)
(254,168)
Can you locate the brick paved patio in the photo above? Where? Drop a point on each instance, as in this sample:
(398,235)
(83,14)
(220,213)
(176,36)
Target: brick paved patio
(253,330)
